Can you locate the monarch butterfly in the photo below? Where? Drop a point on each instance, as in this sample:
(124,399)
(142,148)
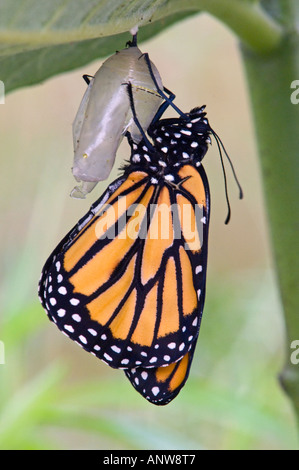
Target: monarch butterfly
(104,114)
(128,282)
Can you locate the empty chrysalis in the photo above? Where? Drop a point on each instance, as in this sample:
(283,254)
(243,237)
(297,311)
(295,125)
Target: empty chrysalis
(105,115)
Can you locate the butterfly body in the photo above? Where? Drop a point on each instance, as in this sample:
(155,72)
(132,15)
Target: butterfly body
(127,283)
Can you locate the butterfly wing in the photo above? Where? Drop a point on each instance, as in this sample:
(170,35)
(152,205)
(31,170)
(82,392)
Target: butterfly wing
(70,277)
(129,298)
(160,385)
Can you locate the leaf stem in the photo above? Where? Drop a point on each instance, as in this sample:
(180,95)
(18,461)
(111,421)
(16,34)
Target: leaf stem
(253,26)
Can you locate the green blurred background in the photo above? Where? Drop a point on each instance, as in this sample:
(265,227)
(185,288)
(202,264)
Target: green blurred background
(54,395)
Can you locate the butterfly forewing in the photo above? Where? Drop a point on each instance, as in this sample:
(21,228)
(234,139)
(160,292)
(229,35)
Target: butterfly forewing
(130,300)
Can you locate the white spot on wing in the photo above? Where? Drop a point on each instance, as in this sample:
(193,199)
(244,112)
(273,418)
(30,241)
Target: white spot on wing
(198,269)
(155,391)
(76,317)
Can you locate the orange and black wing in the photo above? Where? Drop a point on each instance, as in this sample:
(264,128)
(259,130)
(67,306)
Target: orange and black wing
(128,282)
(160,385)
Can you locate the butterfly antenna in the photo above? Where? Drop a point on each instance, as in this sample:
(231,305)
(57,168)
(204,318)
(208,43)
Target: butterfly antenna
(225,181)
(230,162)
(220,148)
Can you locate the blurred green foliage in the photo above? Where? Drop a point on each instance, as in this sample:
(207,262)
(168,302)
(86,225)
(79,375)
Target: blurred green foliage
(231,400)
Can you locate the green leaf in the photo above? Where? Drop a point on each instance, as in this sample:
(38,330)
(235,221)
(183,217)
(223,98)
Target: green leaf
(41,38)
(34,66)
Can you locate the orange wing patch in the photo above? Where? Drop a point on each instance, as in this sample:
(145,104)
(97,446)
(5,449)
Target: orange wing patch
(129,182)
(159,237)
(163,373)
(175,372)
(188,291)
(193,184)
(122,323)
(91,276)
(144,331)
(180,374)
(102,307)
(99,226)
(170,317)
(188,223)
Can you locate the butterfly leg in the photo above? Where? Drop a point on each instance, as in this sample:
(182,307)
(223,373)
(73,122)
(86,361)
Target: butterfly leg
(87,78)
(136,120)
(163,106)
(169,99)
(132,43)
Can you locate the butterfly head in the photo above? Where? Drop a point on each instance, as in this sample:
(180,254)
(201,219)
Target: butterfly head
(182,139)
(175,141)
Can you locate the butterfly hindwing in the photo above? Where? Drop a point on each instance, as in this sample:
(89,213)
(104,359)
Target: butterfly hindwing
(160,385)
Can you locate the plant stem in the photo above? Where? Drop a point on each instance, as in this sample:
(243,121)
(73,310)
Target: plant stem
(253,26)
(277,127)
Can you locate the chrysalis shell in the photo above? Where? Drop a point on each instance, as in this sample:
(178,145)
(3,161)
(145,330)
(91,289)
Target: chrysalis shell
(105,114)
